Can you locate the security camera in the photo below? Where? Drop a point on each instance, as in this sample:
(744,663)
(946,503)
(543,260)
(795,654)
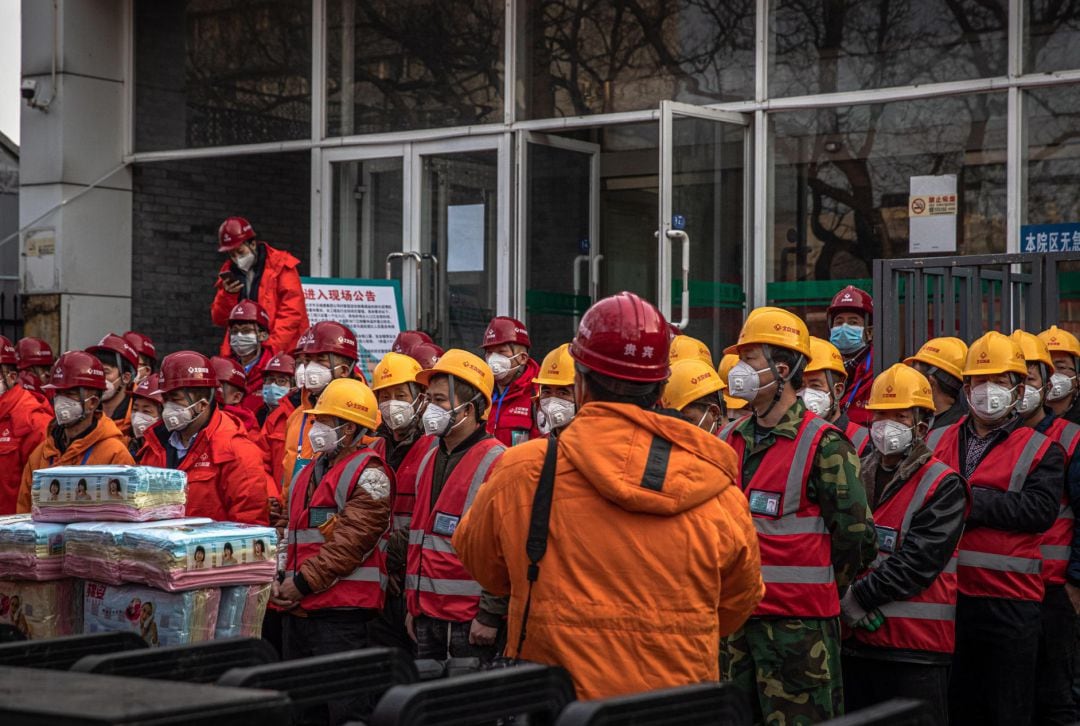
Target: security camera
(28,89)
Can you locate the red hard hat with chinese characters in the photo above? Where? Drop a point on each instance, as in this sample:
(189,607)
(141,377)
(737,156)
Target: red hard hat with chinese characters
(249,311)
(150,389)
(8,356)
(331,337)
(226,371)
(427,355)
(407,339)
(851,299)
(33,352)
(186,369)
(502,330)
(624,337)
(113,345)
(142,344)
(282,363)
(234,232)
(76,369)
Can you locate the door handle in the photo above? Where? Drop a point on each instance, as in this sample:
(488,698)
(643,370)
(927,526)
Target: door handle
(673,235)
(436,284)
(415,256)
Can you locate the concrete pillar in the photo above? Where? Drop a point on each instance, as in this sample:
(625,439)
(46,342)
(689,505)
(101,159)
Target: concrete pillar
(75,266)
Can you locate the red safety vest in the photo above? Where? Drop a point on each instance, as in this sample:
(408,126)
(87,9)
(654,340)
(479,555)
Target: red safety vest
(859,436)
(997,562)
(436,583)
(925,621)
(364,586)
(796,553)
(1057,541)
(407,471)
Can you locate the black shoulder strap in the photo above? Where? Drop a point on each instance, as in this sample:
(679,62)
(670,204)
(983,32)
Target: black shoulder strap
(536,544)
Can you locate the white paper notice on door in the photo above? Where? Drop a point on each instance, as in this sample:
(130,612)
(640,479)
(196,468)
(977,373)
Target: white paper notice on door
(465,238)
(932,209)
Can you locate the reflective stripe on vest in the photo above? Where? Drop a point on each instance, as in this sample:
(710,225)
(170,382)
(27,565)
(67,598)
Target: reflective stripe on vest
(1000,563)
(859,436)
(1055,552)
(918,610)
(1056,545)
(779,574)
(457,588)
(934,437)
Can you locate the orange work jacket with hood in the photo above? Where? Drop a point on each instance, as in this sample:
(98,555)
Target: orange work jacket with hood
(24,421)
(651,559)
(103,444)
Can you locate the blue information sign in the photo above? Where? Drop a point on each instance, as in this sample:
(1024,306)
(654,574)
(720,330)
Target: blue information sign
(1050,237)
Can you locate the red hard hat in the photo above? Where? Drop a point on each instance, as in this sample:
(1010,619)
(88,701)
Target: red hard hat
(426,354)
(76,369)
(624,337)
(506,330)
(331,337)
(234,232)
(303,341)
(851,299)
(282,363)
(33,352)
(115,345)
(186,369)
(8,356)
(142,344)
(406,340)
(226,371)
(150,389)
(249,311)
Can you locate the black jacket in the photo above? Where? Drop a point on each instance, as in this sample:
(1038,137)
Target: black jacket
(954,413)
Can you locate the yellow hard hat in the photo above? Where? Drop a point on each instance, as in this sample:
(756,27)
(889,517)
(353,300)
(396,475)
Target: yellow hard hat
(394,369)
(1033,347)
(350,400)
(900,387)
(773,326)
(946,354)
(465,366)
(690,380)
(683,347)
(994,353)
(726,364)
(824,357)
(1059,340)
(557,368)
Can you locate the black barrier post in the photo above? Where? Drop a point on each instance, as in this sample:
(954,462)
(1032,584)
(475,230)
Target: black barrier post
(704,704)
(199,663)
(538,691)
(895,712)
(62,653)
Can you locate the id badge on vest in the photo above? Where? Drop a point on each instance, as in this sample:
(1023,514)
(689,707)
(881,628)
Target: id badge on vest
(887,538)
(445,524)
(765,504)
(318,516)
(298,467)
(518,436)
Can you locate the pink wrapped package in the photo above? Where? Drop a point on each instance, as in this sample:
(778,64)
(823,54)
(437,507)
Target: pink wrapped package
(159,618)
(241,612)
(42,610)
(30,550)
(108,493)
(94,550)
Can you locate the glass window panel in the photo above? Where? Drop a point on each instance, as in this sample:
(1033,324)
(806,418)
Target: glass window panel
(1051,35)
(221,72)
(841,181)
(582,57)
(844,45)
(366,218)
(394,65)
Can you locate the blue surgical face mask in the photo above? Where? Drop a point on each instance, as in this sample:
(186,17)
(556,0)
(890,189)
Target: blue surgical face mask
(273,393)
(847,338)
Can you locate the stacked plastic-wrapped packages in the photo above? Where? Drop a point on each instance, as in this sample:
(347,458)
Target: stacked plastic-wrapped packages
(160,618)
(241,612)
(107,493)
(41,610)
(30,550)
(96,550)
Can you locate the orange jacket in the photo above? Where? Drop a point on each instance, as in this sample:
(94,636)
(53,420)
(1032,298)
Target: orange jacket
(273,429)
(105,443)
(279,294)
(24,420)
(652,556)
(296,435)
(227,481)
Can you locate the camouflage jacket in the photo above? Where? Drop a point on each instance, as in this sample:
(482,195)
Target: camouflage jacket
(834,486)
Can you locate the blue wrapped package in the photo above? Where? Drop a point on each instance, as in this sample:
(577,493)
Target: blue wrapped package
(159,618)
(241,612)
(113,493)
(30,550)
(94,550)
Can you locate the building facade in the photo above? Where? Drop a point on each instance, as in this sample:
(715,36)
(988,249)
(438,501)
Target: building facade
(527,157)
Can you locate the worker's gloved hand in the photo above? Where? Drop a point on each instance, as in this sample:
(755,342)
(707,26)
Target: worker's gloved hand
(873,620)
(851,612)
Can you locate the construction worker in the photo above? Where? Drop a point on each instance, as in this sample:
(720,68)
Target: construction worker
(824,383)
(901,611)
(256,271)
(941,360)
(696,391)
(147,351)
(555,403)
(24,418)
(339,509)
(736,408)
(801,477)
(146,404)
(35,361)
(119,360)
(227,480)
(232,388)
(506,348)
(609,603)
(280,399)
(684,347)
(1063,396)
(79,433)
(426,354)
(851,330)
(1016,476)
(449,614)
(1054,701)
(249,329)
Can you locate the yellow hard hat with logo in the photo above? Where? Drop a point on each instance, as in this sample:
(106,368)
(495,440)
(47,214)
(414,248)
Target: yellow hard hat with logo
(557,368)
(994,353)
(394,369)
(690,380)
(773,326)
(900,387)
(463,365)
(726,364)
(1059,340)
(349,400)
(946,354)
(1033,347)
(824,356)
(683,347)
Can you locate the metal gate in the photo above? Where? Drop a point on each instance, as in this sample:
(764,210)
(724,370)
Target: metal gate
(922,298)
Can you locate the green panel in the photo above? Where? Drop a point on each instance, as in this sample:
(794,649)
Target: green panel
(1069,285)
(810,292)
(541,302)
(709,294)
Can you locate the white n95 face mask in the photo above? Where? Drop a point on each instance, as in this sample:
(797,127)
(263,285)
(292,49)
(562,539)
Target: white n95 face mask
(397,414)
(67,411)
(554,413)
(817,402)
(744,382)
(317,376)
(140,422)
(1031,401)
(991,401)
(1061,386)
(177,417)
(323,438)
(890,437)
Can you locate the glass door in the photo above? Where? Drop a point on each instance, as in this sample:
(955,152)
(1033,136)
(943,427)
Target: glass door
(704,225)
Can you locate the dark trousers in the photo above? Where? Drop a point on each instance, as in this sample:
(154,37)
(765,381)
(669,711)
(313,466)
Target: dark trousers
(993,672)
(443,639)
(1054,702)
(869,681)
(271,629)
(388,629)
(326,634)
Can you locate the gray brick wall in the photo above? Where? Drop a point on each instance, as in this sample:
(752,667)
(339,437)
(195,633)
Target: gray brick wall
(177,208)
